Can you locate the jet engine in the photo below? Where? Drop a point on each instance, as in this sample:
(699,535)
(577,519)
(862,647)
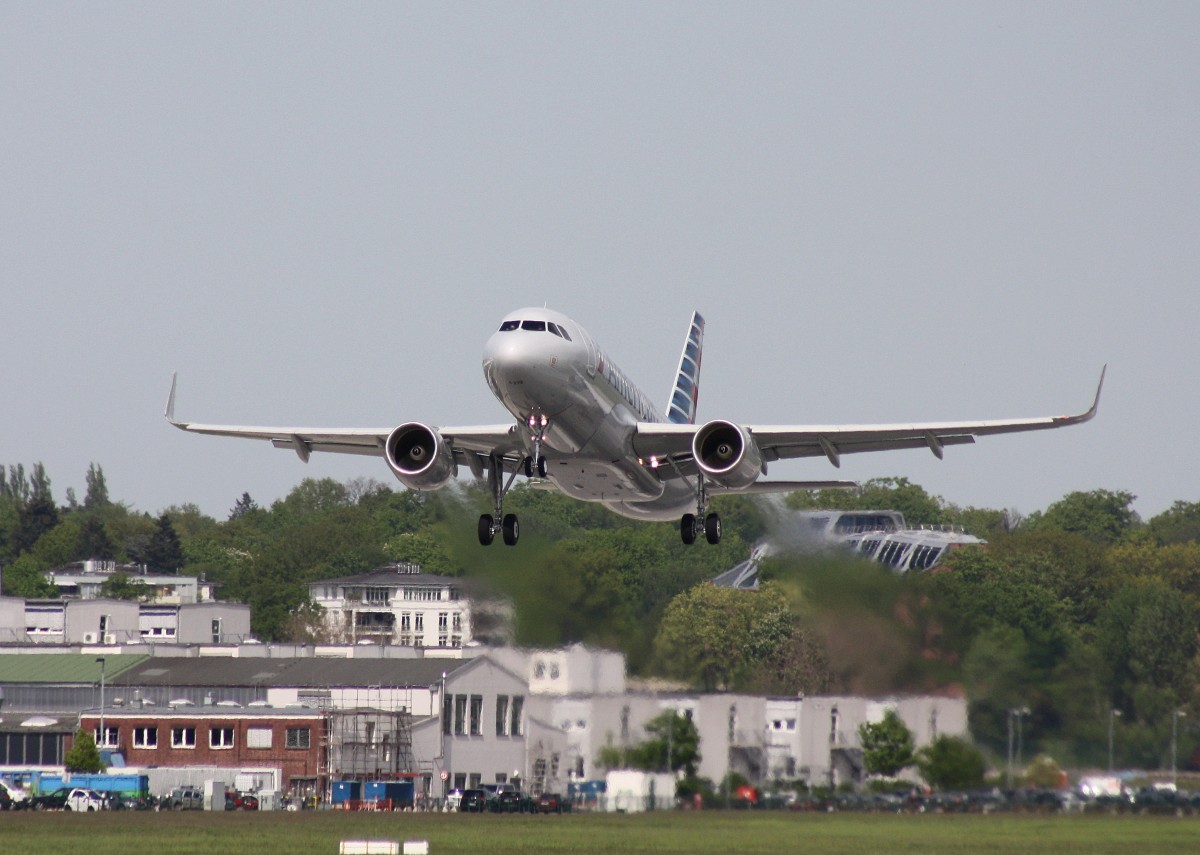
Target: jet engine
(419,457)
(727,454)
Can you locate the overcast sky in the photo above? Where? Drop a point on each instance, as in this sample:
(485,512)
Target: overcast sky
(317,213)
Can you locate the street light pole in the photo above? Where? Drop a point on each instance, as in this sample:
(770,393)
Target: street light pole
(1112,714)
(102,740)
(1176,715)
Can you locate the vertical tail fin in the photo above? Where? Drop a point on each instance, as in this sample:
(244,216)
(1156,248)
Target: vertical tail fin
(686,391)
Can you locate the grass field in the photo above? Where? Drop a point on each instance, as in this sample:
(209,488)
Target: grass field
(24,833)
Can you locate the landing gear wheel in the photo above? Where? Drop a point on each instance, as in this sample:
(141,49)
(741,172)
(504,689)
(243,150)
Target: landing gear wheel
(687,529)
(541,467)
(487,531)
(712,528)
(528,467)
(512,530)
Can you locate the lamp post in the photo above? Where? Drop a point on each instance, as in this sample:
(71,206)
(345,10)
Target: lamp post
(1112,714)
(102,739)
(1019,712)
(1176,715)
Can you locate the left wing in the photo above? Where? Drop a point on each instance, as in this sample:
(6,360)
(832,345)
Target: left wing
(467,443)
(671,445)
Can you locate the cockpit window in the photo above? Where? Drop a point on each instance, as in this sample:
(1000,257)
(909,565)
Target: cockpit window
(509,326)
(553,327)
(534,326)
(563,332)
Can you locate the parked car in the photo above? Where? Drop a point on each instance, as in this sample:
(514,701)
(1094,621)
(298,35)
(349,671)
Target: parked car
(512,801)
(12,797)
(183,798)
(473,801)
(551,803)
(248,802)
(454,799)
(69,798)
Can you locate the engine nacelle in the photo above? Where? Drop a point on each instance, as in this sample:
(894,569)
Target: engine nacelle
(727,454)
(419,457)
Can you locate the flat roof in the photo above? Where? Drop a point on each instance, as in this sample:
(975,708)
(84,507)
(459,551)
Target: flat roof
(287,673)
(55,667)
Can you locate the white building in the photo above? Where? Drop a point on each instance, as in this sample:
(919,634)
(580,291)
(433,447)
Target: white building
(83,580)
(396,604)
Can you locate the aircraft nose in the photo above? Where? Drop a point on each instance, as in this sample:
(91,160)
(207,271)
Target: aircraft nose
(520,363)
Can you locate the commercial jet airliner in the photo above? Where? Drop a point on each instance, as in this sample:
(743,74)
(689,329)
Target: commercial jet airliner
(582,427)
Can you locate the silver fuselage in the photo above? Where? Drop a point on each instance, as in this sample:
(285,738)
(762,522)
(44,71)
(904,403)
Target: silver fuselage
(592,411)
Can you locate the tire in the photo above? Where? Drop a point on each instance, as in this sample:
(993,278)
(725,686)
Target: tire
(512,530)
(541,467)
(486,532)
(687,529)
(712,528)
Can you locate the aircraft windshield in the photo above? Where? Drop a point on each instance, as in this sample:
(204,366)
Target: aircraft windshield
(535,326)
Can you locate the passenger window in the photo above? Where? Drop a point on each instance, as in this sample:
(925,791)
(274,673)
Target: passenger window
(509,326)
(534,326)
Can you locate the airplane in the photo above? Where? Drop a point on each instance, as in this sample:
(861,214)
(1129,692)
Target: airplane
(579,425)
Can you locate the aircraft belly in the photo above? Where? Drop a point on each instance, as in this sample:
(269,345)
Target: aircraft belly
(596,481)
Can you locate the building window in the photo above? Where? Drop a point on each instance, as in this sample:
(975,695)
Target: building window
(502,715)
(419,622)
(108,739)
(183,737)
(460,714)
(377,596)
(220,737)
(457,624)
(442,639)
(259,737)
(477,715)
(216,631)
(298,737)
(447,713)
(517,728)
(456,641)
(145,737)
(406,621)
(443,621)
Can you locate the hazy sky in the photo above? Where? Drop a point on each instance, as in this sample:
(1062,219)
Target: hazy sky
(317,213)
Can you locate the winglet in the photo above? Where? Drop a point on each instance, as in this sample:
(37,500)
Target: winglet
(1093,409)
(686,392)
(169,412)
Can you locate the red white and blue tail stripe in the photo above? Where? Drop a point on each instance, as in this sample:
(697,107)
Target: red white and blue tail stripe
(682,409)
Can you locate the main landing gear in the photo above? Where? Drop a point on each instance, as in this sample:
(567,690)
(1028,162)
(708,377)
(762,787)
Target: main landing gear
(499,523)
(691,525)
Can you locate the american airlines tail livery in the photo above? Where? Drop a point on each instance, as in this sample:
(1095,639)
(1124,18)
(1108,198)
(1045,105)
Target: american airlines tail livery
(582,427)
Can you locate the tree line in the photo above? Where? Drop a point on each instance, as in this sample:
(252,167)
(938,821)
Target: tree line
(1082,613)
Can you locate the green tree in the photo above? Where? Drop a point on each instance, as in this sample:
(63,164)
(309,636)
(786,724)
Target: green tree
(672,744)
(1178,524)
(83,755)
(887,745)
(164,552)
(26,577)
(896,494)
(36,517)
(122,586)
(243,506)
(711,634)
(97,489)
(93,540)
(951,763)
(1103,516)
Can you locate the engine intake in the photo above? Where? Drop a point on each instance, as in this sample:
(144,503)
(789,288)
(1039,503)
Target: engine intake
(419,457)
(727,454)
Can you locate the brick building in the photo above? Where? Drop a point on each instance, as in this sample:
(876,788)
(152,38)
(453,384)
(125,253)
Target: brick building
(291,739)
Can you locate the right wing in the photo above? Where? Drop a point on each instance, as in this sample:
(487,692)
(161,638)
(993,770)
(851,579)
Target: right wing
(469,443)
